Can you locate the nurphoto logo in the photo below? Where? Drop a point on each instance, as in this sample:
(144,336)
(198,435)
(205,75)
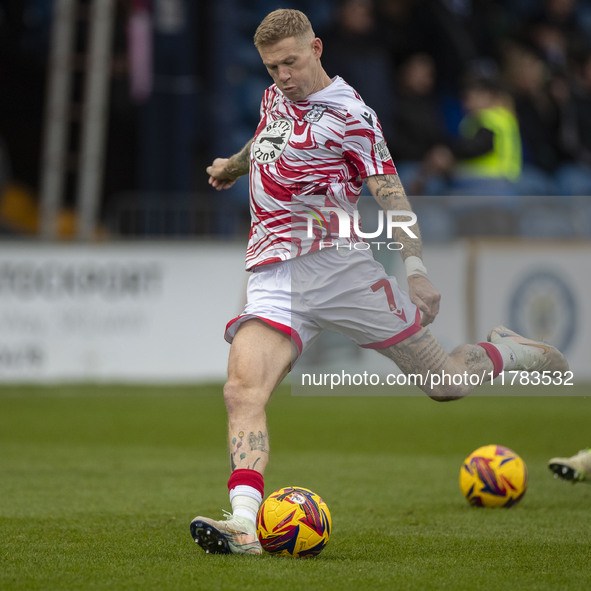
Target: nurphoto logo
(387,220)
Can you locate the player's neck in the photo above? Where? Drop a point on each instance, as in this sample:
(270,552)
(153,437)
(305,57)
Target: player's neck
(322,82)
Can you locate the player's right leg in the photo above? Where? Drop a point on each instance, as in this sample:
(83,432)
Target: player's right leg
(374,312)
(422,355)
(433,369)
(260,357)
(526,354)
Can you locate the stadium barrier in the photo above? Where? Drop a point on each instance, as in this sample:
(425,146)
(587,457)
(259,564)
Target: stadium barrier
(156,312)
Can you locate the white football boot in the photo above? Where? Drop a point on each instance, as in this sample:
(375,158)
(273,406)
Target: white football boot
(529,355)
(235,535)
(576,468)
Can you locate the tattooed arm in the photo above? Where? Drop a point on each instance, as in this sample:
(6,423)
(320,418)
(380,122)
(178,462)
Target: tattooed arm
(223,172)
(390,195)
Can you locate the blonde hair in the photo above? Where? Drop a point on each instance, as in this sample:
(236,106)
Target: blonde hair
(281,24)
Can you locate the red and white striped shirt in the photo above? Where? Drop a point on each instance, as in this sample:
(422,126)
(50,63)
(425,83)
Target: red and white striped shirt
(307,156)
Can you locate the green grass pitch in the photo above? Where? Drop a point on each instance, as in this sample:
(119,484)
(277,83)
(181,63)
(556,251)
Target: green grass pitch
(98,485)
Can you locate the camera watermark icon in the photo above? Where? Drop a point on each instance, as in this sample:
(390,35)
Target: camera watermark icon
(351,224)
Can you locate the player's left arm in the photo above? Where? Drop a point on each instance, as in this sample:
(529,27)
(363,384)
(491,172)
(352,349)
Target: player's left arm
(388,191)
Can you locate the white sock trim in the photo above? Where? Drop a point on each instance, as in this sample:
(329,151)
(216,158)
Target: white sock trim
(509,357)
(247,491)
(245,501)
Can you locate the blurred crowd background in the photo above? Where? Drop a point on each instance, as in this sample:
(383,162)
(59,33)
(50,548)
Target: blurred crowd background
(485,104)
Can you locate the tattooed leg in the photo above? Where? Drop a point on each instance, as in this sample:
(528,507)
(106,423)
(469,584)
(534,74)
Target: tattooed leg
(260,358)
(249,450)
(421,354)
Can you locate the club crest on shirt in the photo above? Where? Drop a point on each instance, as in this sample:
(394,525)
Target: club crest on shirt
(315,113)
(271,142)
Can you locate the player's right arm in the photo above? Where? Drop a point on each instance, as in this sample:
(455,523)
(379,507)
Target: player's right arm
(391,196)
(223,172)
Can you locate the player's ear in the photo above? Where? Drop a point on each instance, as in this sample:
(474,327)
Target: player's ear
(317,47)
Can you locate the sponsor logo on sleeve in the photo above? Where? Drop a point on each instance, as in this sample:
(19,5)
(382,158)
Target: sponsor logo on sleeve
(381,150)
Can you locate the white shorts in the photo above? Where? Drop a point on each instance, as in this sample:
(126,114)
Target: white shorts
(340,290)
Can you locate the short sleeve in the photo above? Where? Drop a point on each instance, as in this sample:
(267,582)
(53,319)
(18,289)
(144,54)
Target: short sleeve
(364,146)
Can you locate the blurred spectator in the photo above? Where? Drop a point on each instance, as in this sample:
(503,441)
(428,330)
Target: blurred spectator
(456,33)
(401,28)
(354,51)
(574,178)
(486,158)
(556,32)
(418,123)
(139,37)
(539,114)
(484,161)
(459,33)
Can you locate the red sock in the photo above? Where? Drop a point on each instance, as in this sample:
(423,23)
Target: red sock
(246,493)
(247,478)
(495,357)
